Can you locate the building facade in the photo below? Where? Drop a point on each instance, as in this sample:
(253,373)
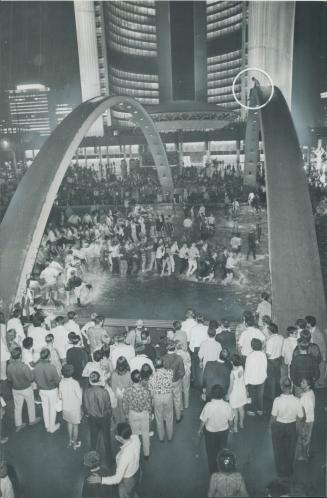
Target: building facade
(29,108)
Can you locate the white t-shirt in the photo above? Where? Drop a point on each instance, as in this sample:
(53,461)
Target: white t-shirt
(307,402)
(274,346)
(246,337)
(60,342)
(209,350)
(138,361)
(289,345)
(216,414)
(50,275)
(255,372)
(38,335)
(187,326)
(16,324)
(286,408)
(72,326)
(124,350)
(198,334)
(264,308)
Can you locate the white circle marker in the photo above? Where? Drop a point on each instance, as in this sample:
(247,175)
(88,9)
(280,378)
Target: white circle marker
(248,106)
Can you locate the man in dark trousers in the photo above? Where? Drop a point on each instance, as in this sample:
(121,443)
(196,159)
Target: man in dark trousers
(285,411)
(217,372)
(251,244)
(97,406)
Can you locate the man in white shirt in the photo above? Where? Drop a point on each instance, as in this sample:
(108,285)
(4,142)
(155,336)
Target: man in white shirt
(121,349)
(87,326)
(251,332)
(49,275)
(285,411)
(188,323)
(139,360)
(209,349)
(71,325)
(198,334)
(274,347)
(216,418)
(255,374)
(127,461)
(60,334)
(317,337)
(264,308)
(38,333)
(14,323)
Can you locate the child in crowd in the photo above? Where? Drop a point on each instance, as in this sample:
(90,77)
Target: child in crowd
(237,394)
(305,425)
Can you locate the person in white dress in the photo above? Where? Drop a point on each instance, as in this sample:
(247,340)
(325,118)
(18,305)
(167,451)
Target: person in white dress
(70,393)
(237,393)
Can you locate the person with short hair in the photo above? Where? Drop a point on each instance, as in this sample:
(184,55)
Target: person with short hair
(71,325)
(149,350)
(97,407)
(216,372)
(305,426)
(317,337)
(137,407)
(60,334)
(120,380)
(180,335)
(70,394)
(6,486)
(54,355)
(289,344)
(286,410)
(226,481)
(120,348)
(38,332)
(76,355)
(161,388)
(274,348)
(96,334)
(47,380)
(303,365)
(209,349)
(27,353)
(237,394)
(215,420)
(15,323)
(172,361)
(255,374)
(263,308)
(250,332)
(186,380)
(21,377)
(127,464)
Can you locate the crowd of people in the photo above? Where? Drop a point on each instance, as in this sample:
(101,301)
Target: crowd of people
(121,383)
(141,242)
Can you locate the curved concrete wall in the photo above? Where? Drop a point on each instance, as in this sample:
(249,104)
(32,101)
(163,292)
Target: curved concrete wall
(23,225)
(296,277)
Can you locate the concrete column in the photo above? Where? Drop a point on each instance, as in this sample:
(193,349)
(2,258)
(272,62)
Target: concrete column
(271,39)
(164,51)
(88,57)
(200,51)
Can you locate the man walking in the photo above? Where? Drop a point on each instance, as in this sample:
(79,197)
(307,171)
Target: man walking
(286,409)
(172,361)
(97,406)
(47,379)
(21,377)
(161,388)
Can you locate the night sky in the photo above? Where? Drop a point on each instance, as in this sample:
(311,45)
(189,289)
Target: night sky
(38,44)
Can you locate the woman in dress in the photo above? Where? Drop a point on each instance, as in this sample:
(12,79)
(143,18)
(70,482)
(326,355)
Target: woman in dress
(237,394)
(226,482)
(120,380)
(70,394)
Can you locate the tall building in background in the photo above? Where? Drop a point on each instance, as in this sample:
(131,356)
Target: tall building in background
(62,111)
(163,51)
(29,108)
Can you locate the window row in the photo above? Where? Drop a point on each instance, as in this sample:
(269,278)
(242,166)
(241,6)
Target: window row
(133,92)
(224,89)
(132,26)
(214,68)
(135,35)
(224,31)
(132,43)
(133,76)
(213,7)
(130,16)
(134,84)
(136,8)
(133,51)
(236,54)
(226,14)
(218,25)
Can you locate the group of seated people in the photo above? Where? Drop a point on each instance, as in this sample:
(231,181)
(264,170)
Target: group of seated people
(127,379)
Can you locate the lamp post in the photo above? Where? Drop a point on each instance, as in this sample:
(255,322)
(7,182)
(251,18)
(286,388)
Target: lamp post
(6,147)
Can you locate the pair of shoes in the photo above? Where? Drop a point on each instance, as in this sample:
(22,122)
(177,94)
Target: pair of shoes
(56,427)
(77,445)
(4,440)
(179,420)
(36,421)
(20,427)
(251,414)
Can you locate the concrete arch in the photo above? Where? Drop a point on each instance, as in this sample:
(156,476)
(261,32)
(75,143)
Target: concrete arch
(296,276)
(24,222)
